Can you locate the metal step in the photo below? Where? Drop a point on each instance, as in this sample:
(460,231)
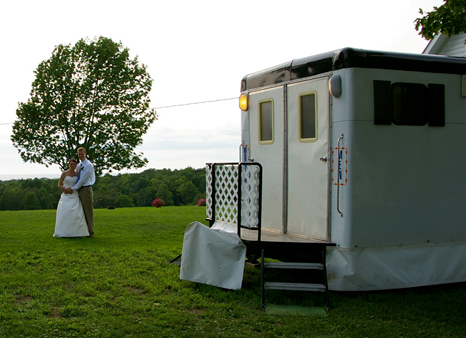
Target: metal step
(294,286)
(317,286)
(291,265)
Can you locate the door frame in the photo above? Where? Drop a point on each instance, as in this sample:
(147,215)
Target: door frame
(323,136)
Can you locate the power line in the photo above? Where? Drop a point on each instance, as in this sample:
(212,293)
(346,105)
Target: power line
(193,103)
(172,106)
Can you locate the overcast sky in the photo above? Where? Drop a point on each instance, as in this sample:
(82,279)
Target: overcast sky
(195,51)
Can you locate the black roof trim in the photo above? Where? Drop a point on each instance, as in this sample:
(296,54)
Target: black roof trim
(353,58)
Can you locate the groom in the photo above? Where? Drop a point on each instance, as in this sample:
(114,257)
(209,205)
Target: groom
(86,178)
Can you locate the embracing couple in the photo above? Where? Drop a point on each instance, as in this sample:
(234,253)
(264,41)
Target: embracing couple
(75,211)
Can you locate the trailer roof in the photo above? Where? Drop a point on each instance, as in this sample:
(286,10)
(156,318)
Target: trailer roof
(353,58)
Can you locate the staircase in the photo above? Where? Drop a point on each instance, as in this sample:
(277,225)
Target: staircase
(319,285)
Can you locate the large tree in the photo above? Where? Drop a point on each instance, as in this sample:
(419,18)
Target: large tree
(448,19)
(92,94)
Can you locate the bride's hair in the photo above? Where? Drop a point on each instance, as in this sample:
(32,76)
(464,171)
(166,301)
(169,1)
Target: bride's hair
(72,160)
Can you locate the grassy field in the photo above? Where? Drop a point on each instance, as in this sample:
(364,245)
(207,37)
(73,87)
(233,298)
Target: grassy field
(120,284)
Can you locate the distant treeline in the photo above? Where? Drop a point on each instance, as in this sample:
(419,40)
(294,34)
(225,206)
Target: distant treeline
(175,187)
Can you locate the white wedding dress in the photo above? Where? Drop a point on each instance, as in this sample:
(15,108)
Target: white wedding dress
(70,221)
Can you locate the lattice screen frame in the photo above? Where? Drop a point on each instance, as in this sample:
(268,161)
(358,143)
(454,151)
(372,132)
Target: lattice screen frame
(228,188)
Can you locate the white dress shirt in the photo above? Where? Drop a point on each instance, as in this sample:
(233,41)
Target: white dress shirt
(87,175)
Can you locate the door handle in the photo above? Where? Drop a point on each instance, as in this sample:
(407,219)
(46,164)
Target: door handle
(338,176)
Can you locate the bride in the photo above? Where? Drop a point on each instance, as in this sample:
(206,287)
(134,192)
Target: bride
(70,221)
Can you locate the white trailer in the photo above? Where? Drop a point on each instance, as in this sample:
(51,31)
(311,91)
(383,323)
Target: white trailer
(362,153)
(365,150)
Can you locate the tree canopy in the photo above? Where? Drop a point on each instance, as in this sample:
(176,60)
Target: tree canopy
(92,95)
(448,19)
(174,187)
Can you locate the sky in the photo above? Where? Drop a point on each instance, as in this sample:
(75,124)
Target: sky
(195,51)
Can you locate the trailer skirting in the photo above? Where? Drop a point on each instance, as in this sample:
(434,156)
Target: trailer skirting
(397,266)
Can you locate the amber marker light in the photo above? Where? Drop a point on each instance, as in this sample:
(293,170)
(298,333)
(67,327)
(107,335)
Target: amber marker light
(243,102)
(334,86)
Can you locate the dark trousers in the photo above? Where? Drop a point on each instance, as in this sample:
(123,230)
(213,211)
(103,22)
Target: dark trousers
(86,195)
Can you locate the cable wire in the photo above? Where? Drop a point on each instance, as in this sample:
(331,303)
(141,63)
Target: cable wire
(175,105)
(193,103)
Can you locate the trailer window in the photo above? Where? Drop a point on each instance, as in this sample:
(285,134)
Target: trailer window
(308,117)
(266,122)
(410,104)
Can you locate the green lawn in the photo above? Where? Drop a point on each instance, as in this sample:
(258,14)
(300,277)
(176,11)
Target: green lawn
(120,284)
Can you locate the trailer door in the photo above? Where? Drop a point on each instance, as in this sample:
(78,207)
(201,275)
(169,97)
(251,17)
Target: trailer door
(266,147)
(308,151)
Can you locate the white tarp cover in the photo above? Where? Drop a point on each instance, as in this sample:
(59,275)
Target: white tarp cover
(393,267)
(212,256)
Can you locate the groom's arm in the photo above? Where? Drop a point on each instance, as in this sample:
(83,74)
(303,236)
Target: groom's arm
(84,176)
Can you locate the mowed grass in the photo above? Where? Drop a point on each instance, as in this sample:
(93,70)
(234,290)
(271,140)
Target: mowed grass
(121,284)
